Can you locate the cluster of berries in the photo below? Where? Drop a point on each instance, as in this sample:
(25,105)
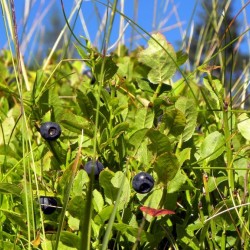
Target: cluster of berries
(50,131)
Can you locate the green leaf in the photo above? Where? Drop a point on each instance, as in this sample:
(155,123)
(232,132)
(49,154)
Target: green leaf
(125,193)
(82,53)
(4,71)
(64,180)
(181,57)
(189,109)
(76,207)
(104,215)
(144,85)
(214,182)
(225,220)
(76,124)
(159,142)
(119,128)
(8,90)
(166,166)
(211,92)
(49,245)
(110,192)
(153,201)
(160,57)
(8,188)
(184,155)
(109,68)
(126,66)
(85,105)
(7,127)
(8,151)
(177,182)
(140,119)
(80,180)
(111,183)
(137,138)
(187,237)
(70,239)
(244,125)
(98,201)
(16,219)
(9,245)
(55,103)
(213,146)
(145,237)
(37,87)
(173,122)
(73,223)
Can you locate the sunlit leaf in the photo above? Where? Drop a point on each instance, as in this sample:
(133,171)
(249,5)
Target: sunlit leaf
(177,182)
(144,236)
(76,207)
(188,107)
(76,124)
(214,182)
(244,125)
(213,146)
(98,201)
(110,192)
(85,105)
(166,166)
(16,218)
(80,180)
(108,66)
(160,57)
(104,215)
(159,142)
(125,193)
(9,188)
(181,57)
(70,239)
(119,128)
(173,122)
(153,201)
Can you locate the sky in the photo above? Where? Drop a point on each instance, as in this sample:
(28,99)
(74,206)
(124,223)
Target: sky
(173,18)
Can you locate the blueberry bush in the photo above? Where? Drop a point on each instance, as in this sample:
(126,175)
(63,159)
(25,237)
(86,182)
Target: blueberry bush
(124,157)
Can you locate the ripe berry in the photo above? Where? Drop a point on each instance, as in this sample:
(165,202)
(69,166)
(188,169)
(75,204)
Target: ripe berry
(143,183)
(96,166)
(48,204)
(50,131)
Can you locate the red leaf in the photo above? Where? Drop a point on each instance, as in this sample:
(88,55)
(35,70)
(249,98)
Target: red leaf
(155,212)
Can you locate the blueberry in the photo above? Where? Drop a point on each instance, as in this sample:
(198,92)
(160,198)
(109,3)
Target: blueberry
(96,166)
(48,204)
(143,183)
(50,131)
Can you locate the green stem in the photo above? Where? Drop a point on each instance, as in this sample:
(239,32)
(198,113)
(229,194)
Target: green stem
(228,150)
(210,207)
(113,215)
(157,91)
(85,224)
(223,240)
(54,150)
(227,134)
(73,171)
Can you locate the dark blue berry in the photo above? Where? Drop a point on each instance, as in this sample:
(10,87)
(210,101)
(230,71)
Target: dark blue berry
(48,204)
(143,183)
(95,165)
(50,131)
